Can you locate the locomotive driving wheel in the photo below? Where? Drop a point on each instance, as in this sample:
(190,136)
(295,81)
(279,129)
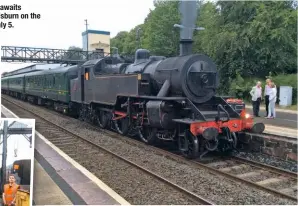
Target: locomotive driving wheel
(122,125)
(147,134)
(102,119)
(188,145)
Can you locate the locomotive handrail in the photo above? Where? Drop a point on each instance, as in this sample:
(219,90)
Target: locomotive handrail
(196,109)
(220,107)
(171,69)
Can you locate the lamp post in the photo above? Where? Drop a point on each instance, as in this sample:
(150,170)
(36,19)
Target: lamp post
(86,23)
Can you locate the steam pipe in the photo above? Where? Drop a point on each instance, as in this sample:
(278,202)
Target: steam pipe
(164,89)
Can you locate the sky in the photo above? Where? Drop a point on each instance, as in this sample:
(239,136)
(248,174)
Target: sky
(62,22)
(19,142)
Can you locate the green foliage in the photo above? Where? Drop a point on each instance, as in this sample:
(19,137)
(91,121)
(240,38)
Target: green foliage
(161,37)
(245,39)
(71,54)
(118,41)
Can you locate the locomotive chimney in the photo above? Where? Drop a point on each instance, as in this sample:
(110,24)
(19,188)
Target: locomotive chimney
(188,10)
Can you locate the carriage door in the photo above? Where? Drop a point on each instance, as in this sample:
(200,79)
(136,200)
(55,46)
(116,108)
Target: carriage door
(23,85)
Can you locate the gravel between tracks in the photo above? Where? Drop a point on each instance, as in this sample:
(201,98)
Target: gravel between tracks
(270,160)
(216,188)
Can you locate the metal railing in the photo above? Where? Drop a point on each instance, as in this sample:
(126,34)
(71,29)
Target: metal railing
(31,54)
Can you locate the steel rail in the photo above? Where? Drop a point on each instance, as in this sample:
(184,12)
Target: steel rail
(175,186)
(267,167)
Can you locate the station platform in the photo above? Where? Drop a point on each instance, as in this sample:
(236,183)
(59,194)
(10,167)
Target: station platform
(284,118)
(60,180)
(281,131)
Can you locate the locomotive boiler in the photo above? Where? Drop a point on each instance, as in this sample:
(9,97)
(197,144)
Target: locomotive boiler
(190,75)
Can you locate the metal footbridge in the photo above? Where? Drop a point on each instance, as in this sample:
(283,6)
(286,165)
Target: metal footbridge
(46,55)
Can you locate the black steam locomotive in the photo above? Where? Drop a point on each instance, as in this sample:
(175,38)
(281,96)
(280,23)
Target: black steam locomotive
(156,98)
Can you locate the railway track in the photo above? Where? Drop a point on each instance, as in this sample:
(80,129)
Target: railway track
(264,177)
(71,142)
(267,178)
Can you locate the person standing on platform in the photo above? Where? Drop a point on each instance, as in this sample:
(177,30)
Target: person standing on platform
(267,92)
(10,192)
(256,97)
(272,100)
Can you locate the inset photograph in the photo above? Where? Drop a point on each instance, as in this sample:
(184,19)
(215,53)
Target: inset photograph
(17,157)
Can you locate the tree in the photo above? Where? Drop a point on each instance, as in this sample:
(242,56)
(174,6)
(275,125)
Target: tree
(118,41)
(249,38)
(73,53)
(161,38)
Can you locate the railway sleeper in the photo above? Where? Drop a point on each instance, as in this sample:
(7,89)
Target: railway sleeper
(215,164)
(248,174)
(63,139)
(270,181)
(289,189)
(236,167)
(65,143)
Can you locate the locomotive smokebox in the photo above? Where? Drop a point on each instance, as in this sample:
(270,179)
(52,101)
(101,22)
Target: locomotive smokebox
(193,76)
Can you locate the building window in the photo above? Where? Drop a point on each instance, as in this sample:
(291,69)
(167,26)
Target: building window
(100,52)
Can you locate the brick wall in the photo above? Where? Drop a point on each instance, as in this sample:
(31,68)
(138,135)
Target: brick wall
(284,148)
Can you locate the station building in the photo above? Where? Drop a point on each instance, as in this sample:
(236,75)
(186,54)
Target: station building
(97,40)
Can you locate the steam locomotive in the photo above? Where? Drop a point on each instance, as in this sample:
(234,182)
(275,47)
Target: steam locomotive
(23,169)
(156,98)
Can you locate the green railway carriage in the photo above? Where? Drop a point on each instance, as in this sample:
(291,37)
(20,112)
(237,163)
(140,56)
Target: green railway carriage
(4,84)
(13,84)
(51,85)
(34,84)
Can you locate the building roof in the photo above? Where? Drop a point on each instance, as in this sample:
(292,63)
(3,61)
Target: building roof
(95,32)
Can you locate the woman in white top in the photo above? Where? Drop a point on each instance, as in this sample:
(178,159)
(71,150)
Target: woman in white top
(272,100)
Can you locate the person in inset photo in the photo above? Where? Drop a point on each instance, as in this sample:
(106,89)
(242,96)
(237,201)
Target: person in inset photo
(10,191)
